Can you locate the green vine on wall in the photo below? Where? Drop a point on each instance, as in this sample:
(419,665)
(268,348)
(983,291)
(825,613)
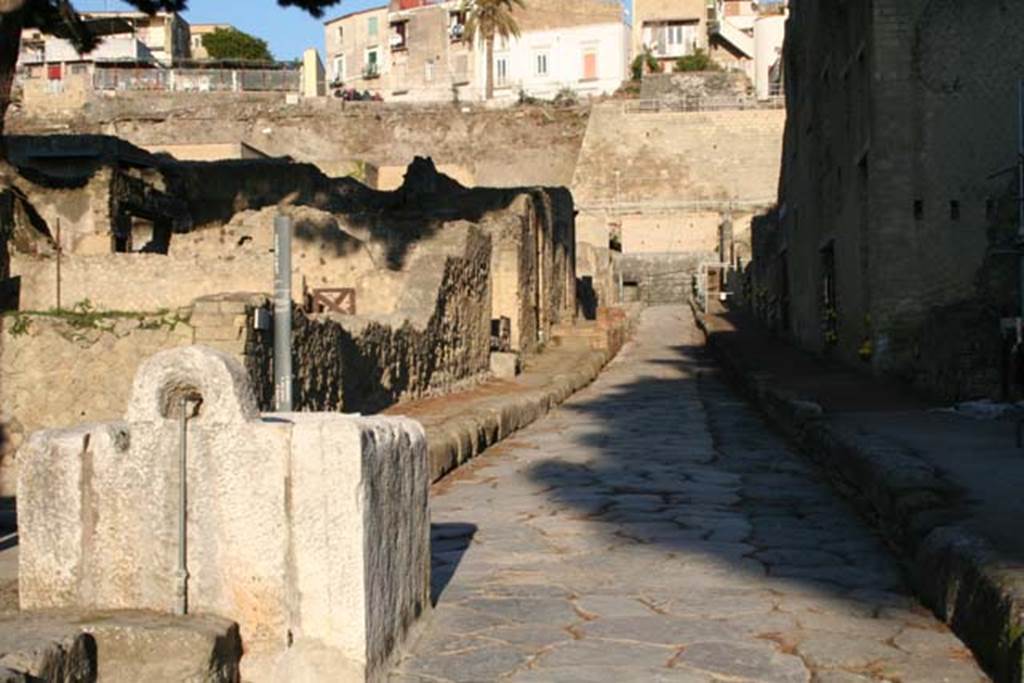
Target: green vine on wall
(83,316)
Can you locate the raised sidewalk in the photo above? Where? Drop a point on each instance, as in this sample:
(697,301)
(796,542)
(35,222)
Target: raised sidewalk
(945,489)
(462,425)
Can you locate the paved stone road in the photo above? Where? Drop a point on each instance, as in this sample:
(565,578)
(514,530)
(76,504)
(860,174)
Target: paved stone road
(653,529)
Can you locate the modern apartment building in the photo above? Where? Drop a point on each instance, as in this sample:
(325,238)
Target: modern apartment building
(134,37)
(417,50)
(357,44)
(741,35)
(670,29)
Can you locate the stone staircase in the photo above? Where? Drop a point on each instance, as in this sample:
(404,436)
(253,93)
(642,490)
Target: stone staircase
(607,333)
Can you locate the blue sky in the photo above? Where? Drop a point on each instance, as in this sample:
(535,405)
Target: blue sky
(289,31)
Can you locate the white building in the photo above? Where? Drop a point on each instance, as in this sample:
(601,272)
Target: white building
(417,50)
(589,60)
(133,37)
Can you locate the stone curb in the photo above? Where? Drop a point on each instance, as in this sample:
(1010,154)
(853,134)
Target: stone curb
(954,571)
(458,440)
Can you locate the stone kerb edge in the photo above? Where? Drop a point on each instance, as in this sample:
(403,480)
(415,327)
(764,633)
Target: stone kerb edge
(953,570)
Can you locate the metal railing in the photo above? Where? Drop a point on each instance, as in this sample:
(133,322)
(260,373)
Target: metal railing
(612,205)
(197,80)
(699,104)
(701,291)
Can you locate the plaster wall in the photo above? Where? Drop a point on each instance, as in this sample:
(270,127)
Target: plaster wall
(93,364)
(684,232)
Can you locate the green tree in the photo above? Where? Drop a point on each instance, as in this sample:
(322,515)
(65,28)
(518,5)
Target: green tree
(230,43)
(487,20)
(60,18)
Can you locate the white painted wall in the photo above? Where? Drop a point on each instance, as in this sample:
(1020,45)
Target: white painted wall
(565,49)
(769,35)
(117,47)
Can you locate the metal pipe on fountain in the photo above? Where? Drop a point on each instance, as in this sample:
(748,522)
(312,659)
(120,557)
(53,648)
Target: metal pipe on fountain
(181,607)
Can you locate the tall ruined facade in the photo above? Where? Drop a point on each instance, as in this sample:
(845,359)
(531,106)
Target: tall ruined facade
(893,243)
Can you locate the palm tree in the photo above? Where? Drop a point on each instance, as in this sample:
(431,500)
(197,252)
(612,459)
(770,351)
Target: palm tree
(487,19)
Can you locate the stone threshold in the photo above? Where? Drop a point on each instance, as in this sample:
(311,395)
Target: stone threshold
(955,571)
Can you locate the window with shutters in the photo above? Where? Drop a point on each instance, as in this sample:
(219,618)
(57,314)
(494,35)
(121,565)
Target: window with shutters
(541,64)
(590,65)
(501,71)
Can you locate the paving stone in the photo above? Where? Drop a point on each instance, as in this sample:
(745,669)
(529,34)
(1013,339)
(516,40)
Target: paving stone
(760,662)
(840,677)
(530,637)
(878,629)
(930,670)
(719,603)
(474,666)
(613,607)
(604,674)
(525,610)
(595,652)
(654,529)
(929,642)
(839,651)
(853,577)
(802,557)
(657,629)
(461,621)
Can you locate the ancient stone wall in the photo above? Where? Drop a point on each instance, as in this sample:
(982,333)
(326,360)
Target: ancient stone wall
(694,88)
(665,278)
(363,363)
(504,148)
(660,184)
(599,278)
(56,370)
(891,198)
(216,191)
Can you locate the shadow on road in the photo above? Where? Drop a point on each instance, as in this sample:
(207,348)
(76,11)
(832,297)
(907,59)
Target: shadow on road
(448,543)
(675,460)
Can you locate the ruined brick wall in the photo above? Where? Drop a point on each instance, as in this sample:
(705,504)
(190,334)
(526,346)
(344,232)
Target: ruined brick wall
(500,148)
(216,191)
(885,175)
(82,207)
(362,364)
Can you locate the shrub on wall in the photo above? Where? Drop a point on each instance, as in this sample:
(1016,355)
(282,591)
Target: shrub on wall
(645,63)
(698,61)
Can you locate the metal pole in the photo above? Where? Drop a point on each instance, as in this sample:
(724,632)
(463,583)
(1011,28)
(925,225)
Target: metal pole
(182,574)
(283,313)
(59,252)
